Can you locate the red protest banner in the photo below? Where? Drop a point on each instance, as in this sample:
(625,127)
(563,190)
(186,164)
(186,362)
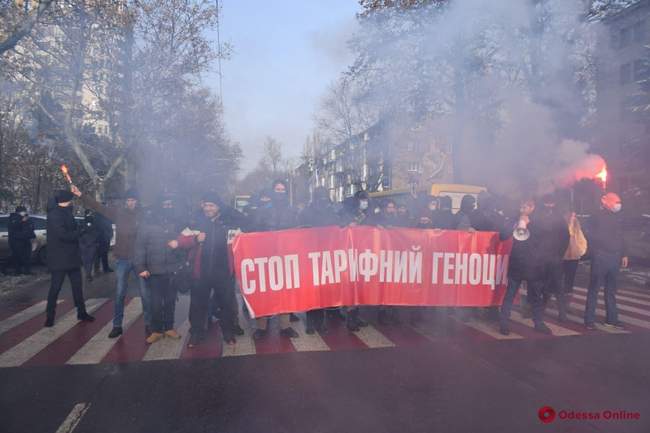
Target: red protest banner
(304,269)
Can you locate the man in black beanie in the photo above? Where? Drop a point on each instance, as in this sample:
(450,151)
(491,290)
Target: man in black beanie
(21,233)
(64,256)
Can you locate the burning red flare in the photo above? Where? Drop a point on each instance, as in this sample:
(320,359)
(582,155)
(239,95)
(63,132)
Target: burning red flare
(602,175)
(66,173)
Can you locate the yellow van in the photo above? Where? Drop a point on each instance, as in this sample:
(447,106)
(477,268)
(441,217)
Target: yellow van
(454,190)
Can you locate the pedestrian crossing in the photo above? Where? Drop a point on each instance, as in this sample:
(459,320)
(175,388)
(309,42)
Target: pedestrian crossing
(24,341)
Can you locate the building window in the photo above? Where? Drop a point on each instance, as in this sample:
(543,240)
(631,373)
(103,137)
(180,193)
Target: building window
(414,167)
(639,32)
(625,73)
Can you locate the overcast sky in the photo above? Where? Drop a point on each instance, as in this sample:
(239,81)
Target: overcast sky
(285,54)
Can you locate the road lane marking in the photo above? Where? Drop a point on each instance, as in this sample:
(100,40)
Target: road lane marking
(372,338)
(98,347)
(40,340)
(486,328)
(557,330)
(581,321)
(73,418)
(23,316)
(621,306)
(306,342)
(623,291)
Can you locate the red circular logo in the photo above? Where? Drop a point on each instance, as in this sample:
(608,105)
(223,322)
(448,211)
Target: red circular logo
(546,414)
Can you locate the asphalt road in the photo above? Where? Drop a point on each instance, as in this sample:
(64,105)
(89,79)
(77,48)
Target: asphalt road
(461,386)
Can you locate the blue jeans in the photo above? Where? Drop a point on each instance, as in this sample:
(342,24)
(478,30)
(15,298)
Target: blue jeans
(604,271)
(534,298)
(123,268)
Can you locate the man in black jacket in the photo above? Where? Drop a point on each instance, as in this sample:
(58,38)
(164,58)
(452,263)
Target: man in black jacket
(21,233)
(277,214)
(319,213)
(88,239)
(157,259)
(554,240)
(64,257)
(520,266)
(608,255)
(211,271)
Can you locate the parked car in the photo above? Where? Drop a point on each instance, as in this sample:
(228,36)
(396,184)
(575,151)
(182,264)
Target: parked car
(39,249)
(39,245)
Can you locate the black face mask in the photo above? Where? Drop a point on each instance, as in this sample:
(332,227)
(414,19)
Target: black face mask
(280,198)
(168,213)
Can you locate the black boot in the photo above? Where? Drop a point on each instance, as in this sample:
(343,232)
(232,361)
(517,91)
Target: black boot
(115,332)
(85,317)
(49,322)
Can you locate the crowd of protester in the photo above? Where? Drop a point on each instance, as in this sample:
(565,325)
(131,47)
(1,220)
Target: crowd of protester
(168,251)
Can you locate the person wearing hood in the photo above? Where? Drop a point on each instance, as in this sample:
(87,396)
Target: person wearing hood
(443,218)
(356,210)
(88,239)
(64,256)
(608,256)
(466,218)
(126,219)
(157,259)
(319,213)
(276,214)
(21,233)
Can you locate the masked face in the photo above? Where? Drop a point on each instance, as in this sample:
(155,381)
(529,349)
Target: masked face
(363,204)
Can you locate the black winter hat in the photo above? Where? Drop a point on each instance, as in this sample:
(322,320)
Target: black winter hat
(63,195)
(212,197)
(20,209)
(132,193)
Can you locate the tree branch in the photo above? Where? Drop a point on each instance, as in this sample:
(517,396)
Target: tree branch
(26,27)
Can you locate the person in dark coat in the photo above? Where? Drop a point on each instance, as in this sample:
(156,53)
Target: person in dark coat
(88,239)
(356,211)
(208,241)
(319,213)
(608,256)
(554,241)
(64,257)
(276,214)
(157,259)
(534,261)
(21,233)
(104,237)
(235,222)
(444,218)
(466,218)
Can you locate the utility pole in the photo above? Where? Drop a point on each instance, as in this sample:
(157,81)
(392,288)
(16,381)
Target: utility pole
(219,56)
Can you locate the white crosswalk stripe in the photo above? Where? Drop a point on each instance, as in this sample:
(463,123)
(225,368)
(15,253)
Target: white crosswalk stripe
(29,347)
(306,342)
(372,338)
(96,349)
(631,293)
(23,316)
(557,330)
(490,330)
(620,306)
(580,320)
